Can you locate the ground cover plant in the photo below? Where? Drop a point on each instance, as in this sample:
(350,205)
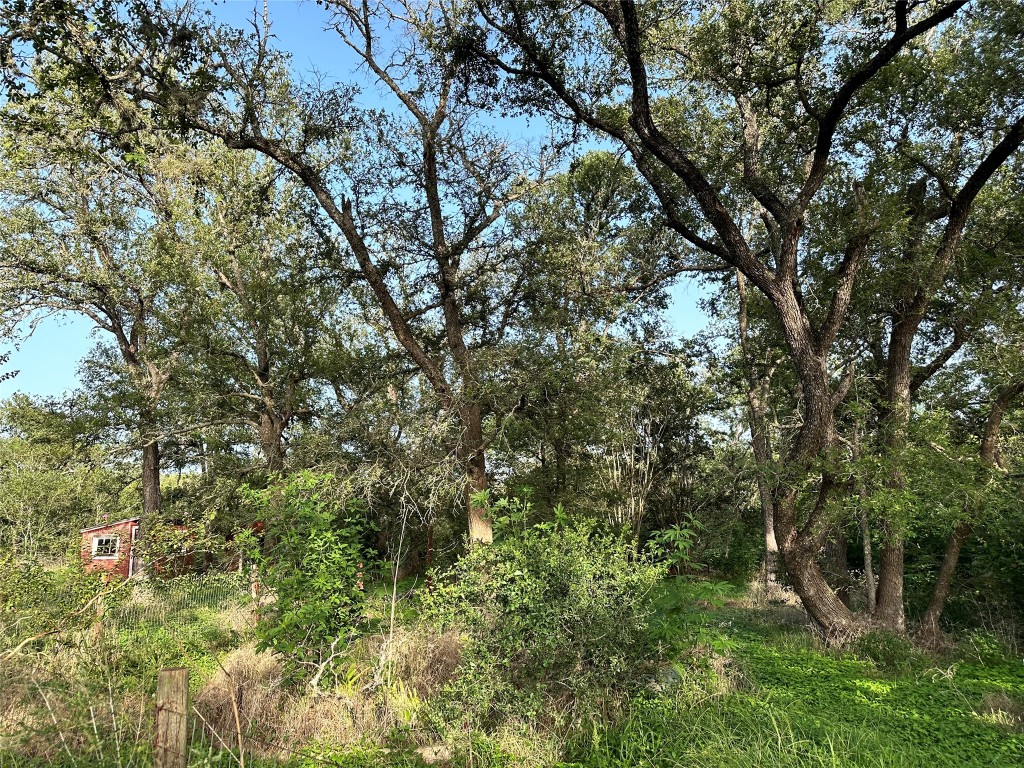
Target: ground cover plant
(793,702)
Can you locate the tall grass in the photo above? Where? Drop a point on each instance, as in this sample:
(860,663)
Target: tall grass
(773,697)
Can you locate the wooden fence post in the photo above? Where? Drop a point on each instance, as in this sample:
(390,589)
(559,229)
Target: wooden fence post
(170,747)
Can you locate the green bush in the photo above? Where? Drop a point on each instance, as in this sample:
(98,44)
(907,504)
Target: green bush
(313,564)
(888,650)
(983,647)
(36,600)
(550,615)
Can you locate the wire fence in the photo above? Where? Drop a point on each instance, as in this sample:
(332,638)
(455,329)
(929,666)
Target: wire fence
(176,601)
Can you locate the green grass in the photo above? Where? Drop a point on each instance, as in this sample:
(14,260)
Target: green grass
(794,704)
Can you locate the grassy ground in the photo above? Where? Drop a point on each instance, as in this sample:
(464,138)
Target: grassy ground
(761,691)
(792,703)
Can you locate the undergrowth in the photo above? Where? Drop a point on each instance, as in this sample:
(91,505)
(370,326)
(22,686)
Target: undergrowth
(733,685)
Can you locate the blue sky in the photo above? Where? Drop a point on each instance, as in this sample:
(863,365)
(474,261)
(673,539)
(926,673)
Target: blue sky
(48,360)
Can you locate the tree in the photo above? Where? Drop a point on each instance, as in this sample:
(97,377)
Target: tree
(56,477)
(796,94)
(84,230)
(419,209)
(253,296)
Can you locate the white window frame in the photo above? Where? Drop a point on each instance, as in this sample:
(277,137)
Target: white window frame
(97,537)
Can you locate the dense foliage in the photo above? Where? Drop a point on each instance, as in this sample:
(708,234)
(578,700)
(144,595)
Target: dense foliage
(552,615)
(312,561)
(405,346)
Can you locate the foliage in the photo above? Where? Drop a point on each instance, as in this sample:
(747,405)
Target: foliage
(367,278)
(793,704)
(39,601)
(313,563)
(682,624)
(673,545)
(986,648)
(173,622)
(551,614)
(57,475)
(888,650)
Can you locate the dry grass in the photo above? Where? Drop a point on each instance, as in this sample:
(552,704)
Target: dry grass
(273,718)
(49,706)
(248,680)
(418,657)
(384,685)
(1002,709)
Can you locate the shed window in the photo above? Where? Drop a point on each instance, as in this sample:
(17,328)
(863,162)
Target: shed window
(105,546)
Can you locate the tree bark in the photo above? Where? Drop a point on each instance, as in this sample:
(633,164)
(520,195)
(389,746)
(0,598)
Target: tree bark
(271,429)
(833,619)
(474,456)
(151,478)
(800,544)
(870,587)
(929,630)
(838,566)
(762,459)
(889,610)
(760,441)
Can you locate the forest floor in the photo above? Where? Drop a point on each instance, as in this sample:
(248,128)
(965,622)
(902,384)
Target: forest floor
(758,690)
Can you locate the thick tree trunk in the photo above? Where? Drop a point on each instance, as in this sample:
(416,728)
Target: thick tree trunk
(801,544)
(834,620)
(271,429)
(889,611)
(151,478)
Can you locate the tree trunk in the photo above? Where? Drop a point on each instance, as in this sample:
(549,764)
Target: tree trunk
(472,448)
(762,458)
(801,545)
(889,610)
(869,566)
(870,587)
(151,479)
(835,552)
(833,619)
(760,441)
(929,629)
(271,431)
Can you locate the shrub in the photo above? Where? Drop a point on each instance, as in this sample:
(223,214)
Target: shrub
(313,564)
(887,650)
(983,647)
(36,600)
(550,614)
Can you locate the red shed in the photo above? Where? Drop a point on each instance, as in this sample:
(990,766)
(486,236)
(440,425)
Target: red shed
(108,547)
